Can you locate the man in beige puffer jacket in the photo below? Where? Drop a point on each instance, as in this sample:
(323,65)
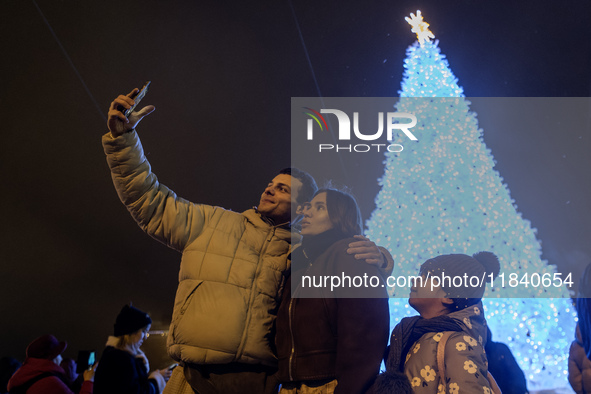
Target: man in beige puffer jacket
(232,267)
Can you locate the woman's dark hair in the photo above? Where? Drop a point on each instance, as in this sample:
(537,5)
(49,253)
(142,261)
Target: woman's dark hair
(343,211)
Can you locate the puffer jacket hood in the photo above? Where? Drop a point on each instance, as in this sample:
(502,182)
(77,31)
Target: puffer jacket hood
(472,321)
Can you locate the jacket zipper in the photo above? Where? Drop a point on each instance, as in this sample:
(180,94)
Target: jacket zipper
(291,313)
(291,355)
(270,235)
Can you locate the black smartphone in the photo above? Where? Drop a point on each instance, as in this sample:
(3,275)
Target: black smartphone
(138,97)
(86,359)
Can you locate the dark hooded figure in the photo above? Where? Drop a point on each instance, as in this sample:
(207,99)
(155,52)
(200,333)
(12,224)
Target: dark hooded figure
(579,364)
(502,364)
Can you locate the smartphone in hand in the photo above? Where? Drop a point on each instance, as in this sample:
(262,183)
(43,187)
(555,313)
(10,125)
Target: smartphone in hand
(138,97)
(86,360)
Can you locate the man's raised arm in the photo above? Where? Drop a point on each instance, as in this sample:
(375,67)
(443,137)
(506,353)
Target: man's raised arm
(157,209)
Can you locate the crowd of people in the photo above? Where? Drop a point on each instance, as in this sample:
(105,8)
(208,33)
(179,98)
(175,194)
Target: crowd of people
(243,323)
(123,367)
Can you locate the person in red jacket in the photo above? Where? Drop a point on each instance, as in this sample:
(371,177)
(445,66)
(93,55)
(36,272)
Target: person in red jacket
(41,372)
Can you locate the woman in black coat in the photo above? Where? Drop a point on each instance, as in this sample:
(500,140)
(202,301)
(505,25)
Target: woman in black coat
(123,367)
(331,338)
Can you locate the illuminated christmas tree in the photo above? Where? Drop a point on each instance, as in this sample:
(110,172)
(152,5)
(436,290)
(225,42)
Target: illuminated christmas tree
(442,195)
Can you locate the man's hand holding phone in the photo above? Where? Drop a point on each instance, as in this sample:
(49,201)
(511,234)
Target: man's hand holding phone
(120,124)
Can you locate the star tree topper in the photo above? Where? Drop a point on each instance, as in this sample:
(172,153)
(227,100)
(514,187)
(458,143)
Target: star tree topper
(420,27)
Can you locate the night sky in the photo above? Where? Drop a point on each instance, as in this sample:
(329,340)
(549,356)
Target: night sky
(223,74)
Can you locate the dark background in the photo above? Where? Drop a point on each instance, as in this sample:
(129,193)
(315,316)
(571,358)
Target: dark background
(223,74)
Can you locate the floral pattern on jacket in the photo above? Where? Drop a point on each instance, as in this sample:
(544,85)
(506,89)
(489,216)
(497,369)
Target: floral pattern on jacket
(465,359)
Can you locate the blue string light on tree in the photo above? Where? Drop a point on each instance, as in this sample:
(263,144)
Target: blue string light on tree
(442,195)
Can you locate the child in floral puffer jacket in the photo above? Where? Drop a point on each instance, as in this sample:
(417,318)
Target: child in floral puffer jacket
(453,315)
